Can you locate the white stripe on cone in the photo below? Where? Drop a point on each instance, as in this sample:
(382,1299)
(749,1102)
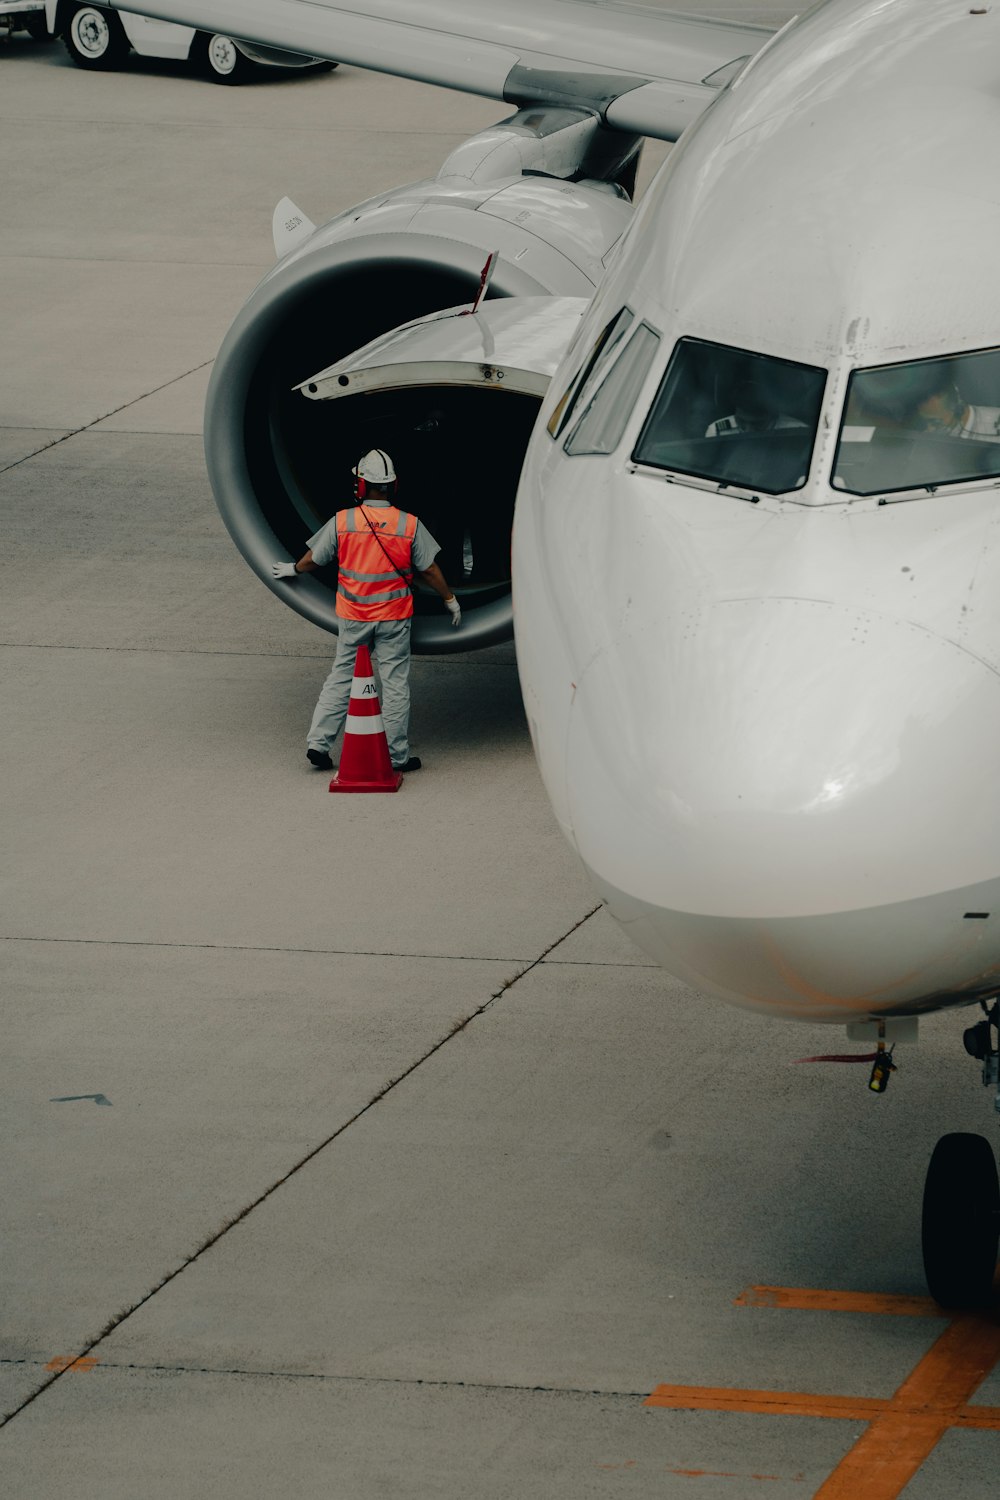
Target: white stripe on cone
(356,724)
(363,687)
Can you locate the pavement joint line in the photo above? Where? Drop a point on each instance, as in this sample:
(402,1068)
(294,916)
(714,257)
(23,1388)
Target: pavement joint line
(149,432)
(198,128)
(460,958)
(471,958)
(27,427)
(598,963)
(116,1321)
(325,1376)
(133,260)
(124,407)
(449,665)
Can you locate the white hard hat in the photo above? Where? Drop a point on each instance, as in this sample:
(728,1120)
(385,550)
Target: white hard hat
(375,467)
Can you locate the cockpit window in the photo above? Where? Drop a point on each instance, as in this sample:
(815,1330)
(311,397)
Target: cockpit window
(921,425)
(741,419)
(589,371)
(606,414)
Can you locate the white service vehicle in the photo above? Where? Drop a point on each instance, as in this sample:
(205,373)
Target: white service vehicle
(24,15)
(102,36)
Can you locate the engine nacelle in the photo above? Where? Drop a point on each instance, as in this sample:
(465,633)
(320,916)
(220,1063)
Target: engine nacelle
(280,465)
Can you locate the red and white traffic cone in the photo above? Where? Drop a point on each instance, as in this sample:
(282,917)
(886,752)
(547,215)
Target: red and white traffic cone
(364,760)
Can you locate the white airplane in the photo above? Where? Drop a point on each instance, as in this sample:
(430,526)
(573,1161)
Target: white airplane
(756,559)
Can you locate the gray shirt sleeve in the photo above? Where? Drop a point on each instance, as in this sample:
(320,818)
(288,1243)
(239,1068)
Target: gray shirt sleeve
(323,545)
(425,548)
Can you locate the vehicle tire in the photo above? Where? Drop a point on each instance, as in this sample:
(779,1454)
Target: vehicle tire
(94,37)
(960,1225)
(219,58)
(36,27)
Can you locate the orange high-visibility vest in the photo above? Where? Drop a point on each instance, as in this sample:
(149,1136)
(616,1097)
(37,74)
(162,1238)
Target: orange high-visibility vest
(368,585)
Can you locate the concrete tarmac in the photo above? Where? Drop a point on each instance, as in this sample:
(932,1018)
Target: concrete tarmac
(349,1149)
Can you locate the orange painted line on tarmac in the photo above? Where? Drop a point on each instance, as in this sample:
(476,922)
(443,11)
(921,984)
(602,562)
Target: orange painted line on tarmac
(765,1403)
(71,1362)
(955,1366)
(810,1299)
(901,1432)
(891,1451)
(801,1404)
(885,1458)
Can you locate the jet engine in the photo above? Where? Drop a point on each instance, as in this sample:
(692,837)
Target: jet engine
(548,191)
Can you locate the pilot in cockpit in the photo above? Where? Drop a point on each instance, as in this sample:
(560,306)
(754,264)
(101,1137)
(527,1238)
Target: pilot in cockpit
(920,397)
(947,412)
(755,409)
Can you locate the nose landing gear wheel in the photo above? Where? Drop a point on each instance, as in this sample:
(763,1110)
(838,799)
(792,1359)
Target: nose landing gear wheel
(961,1221)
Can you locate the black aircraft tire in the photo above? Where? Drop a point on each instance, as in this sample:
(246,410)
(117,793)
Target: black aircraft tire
(960,1224)
(94,37)
(37,27)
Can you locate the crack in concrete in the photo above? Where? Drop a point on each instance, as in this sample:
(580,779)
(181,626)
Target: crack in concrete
(121,1317)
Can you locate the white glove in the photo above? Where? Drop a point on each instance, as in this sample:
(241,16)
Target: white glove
(454,609)
(284,570)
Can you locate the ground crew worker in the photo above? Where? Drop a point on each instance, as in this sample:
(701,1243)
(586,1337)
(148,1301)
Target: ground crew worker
(378,548)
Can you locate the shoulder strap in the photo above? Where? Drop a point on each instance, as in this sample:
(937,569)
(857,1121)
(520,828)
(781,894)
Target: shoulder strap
(371,528)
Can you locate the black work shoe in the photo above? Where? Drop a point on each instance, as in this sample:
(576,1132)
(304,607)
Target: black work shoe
(413,764)
(319,759)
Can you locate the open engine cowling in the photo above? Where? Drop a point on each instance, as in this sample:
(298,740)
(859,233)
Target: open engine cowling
(280,464)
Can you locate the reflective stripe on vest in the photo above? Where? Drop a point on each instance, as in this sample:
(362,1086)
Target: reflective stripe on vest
(368,585)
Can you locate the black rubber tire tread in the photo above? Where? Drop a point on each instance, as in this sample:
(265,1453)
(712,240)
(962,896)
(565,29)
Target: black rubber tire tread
(199,56)
(37,28)
(959,1222)
(118,47)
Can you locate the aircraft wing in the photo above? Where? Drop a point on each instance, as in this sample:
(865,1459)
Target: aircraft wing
(646,72)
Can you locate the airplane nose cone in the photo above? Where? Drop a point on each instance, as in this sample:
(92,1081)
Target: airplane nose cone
(781,757)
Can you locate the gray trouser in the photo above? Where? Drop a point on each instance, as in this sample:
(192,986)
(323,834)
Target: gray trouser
(390,644)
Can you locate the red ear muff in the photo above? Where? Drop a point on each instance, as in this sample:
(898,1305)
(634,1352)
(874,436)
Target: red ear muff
(361,489)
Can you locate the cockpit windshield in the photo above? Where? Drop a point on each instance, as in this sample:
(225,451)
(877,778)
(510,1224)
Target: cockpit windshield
(740,419)
(921,425)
